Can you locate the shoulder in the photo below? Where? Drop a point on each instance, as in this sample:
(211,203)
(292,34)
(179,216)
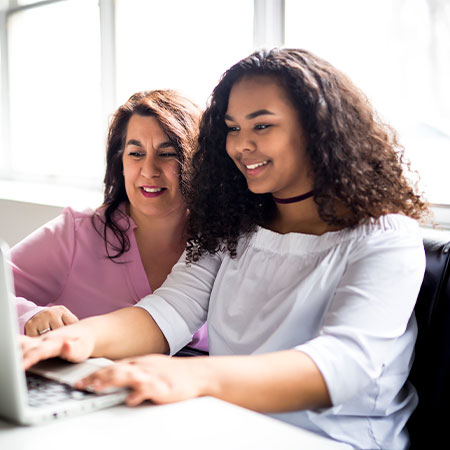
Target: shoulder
(77,215)
(388,228)
(398,223)
(57,237)
(390,243)
(118,216)
(61,228)
(79,220)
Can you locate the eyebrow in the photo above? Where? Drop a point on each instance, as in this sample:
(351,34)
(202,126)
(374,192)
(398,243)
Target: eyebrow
(164,144)
(254,114)
(134,142)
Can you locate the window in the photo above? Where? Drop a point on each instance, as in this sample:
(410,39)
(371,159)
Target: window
(67,64)
(158,48)
(398,52)
(3,104)
(70,63)
(54,92)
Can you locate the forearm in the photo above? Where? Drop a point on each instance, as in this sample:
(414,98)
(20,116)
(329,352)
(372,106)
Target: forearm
(275,382)
(124,333)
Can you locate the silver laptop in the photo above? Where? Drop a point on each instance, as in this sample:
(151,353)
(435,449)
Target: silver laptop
(44,392)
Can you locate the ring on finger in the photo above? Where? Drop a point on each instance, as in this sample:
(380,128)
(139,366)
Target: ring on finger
(46,330)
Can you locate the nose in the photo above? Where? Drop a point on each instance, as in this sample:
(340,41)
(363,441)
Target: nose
(241,142)
(150,168)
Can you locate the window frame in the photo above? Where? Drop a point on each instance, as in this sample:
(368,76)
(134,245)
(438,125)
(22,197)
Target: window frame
(268,31)
(107,68)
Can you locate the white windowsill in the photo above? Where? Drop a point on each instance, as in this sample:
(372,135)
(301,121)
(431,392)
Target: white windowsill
(50,194)
(81,198)
(440,216)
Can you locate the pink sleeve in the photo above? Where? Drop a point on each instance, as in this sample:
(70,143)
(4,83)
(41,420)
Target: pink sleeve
(25,311)
(41,264)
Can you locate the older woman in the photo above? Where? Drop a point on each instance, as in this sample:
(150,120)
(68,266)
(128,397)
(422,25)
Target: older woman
(93,262)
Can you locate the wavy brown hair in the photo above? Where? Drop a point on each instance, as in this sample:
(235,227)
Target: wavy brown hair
(179,118)
(358,164)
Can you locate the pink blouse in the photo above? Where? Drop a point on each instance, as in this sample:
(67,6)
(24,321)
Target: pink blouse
(64,263)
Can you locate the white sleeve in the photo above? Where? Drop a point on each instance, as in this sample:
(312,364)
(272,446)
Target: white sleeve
(363,326)
(180,305)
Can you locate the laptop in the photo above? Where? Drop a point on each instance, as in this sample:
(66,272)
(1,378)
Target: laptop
(45,392)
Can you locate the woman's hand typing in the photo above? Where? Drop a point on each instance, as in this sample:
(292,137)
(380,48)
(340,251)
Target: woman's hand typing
(71,343)
(158,378)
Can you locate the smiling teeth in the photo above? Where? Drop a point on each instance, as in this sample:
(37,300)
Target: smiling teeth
(146,189)
(255,166)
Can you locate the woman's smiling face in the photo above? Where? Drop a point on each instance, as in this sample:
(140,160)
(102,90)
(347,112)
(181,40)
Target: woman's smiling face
(265,138)
(151,169)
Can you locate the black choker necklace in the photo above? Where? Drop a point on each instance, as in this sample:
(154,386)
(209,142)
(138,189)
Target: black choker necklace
(299,198)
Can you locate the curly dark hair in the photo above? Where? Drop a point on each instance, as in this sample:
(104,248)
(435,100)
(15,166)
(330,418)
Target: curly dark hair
(179,118)
(357,161)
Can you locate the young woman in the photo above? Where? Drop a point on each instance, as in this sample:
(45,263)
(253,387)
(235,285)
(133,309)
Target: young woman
(304,256)
(93,262)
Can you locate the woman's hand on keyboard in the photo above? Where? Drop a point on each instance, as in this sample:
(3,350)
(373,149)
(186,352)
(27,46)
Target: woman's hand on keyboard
(73,343)
(158,378)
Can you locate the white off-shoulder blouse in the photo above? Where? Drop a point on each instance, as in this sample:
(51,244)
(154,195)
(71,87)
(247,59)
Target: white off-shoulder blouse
(345,298)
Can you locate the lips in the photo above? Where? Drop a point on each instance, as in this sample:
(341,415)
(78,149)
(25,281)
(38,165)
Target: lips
(256,165)
(255,168)
(152,191)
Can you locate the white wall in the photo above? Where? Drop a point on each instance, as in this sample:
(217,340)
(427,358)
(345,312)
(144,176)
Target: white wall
(18,219)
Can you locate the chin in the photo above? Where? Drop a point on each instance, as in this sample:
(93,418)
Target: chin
(258,190)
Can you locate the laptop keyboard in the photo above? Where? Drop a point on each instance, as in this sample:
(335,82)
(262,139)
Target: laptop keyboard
(42,391)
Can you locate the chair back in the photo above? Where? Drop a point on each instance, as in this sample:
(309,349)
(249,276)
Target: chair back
(430,373)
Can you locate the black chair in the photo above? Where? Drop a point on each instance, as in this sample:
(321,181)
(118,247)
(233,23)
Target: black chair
(430,423)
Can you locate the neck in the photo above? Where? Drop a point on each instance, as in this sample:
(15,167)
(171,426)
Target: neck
(299,217)
(169,230)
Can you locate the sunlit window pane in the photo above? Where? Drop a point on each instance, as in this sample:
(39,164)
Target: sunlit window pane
(2,121)
(398,52)
(55,92)
(26,2)
(185,45)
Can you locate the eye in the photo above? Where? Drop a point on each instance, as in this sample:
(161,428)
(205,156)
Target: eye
(168,155)
(136,154)
(167,150)
(262,126)
(232,129)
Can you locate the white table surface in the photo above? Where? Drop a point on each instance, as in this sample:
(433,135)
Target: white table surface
(203,423)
